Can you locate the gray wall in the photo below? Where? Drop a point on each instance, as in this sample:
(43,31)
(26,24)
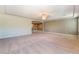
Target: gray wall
(66,26)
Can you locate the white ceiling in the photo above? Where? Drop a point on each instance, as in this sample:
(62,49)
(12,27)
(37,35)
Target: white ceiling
(54,11)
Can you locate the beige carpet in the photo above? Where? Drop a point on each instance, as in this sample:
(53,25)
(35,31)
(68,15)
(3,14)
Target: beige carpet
(37,43)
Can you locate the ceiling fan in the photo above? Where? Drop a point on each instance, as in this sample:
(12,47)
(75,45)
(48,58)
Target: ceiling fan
(44,15)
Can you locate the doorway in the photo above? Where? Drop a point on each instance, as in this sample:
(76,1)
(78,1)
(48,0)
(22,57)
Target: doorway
(37,26)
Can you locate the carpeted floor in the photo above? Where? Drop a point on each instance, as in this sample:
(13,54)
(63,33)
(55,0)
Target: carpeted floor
(40,43)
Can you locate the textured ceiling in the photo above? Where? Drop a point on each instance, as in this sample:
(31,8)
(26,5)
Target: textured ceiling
(54,11)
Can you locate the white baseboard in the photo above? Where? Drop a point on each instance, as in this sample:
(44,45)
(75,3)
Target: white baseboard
(14,35)
(58,33)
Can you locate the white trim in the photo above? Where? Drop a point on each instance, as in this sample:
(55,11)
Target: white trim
(11,35)
(59,33)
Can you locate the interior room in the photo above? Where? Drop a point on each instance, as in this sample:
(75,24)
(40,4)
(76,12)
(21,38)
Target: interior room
(35,29)
(37,26)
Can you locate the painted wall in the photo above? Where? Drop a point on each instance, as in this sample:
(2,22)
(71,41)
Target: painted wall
(78,26)
(66,26)
(14,26)
(11,26)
